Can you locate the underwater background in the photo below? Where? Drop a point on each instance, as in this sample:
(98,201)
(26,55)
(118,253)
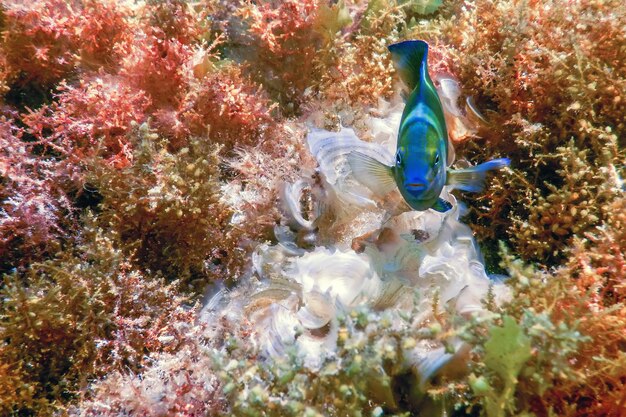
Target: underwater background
(181,232)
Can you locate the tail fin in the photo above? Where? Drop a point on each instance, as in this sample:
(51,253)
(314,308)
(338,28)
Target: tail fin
(410,58)
(473,179)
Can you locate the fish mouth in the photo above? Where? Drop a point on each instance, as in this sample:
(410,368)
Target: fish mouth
(416,185)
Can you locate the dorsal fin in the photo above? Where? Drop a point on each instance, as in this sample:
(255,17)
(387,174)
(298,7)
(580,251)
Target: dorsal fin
(410,57)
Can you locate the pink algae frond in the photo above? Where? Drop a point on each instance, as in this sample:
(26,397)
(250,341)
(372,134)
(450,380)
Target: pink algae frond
(158,67)
(34,208)
(45,41)
(171,19)
(281,44)
(229,108)
(104,31)
(275,22)
(91,118)
(39,39)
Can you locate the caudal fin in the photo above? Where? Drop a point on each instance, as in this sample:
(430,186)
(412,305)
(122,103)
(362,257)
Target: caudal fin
(410,57)
(473,179)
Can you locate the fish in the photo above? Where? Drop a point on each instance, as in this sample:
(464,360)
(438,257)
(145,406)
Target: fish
(422,162)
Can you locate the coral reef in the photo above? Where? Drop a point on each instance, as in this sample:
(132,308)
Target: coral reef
(181,232)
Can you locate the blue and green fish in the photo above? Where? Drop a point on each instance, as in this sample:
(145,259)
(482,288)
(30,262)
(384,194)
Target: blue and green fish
(420,169)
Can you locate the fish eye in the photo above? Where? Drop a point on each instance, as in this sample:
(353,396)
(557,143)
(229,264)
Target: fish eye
(436,159)
(398,158)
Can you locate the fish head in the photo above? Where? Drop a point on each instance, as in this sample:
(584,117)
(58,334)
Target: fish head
(420,167)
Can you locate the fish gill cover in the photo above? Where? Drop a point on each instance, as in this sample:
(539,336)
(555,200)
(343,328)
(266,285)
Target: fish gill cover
(182,232)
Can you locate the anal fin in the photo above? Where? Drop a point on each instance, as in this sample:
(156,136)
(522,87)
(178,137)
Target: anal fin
(441,205)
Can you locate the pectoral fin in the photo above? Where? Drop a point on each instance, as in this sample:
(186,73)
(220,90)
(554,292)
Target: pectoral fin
(372,173)
(441,206)
(473,179)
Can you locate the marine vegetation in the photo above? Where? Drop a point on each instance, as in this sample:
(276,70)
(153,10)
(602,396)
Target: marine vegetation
(193,223)
(550,86)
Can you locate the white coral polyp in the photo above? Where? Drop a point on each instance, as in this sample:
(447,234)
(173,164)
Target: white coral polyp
(317,311)
(329,280)
(344,277)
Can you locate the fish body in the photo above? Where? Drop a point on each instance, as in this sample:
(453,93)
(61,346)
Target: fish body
(422,147)
(420,170)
